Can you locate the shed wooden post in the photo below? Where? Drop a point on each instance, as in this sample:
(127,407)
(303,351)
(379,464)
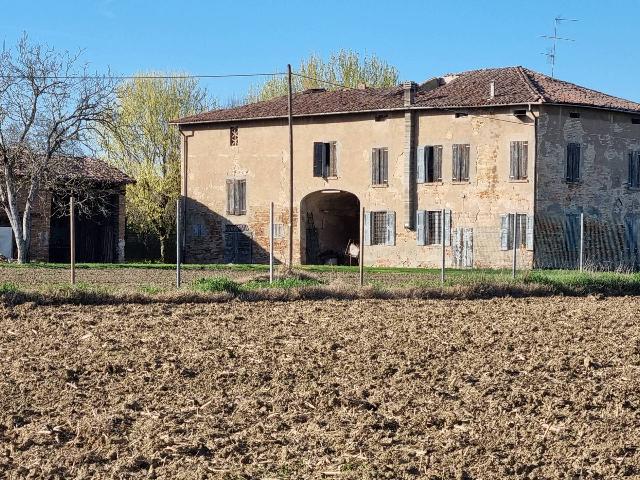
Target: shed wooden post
(72,235)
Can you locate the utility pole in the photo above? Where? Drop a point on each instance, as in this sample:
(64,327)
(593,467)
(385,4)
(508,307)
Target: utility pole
(290,258)
(551,53)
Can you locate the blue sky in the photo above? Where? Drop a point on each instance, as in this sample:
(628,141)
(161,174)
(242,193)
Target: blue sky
(421,38)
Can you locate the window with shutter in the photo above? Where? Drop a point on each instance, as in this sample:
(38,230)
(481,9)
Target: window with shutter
(433,222)
(380,228)
(433,160)
(325,159)
(634,169)
(236,197)
(421,165)
(507,232)
(519,160)
(461,162)
(421,220)
(573,162)
(379,166)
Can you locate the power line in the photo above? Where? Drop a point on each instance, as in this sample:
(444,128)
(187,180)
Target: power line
(132,77)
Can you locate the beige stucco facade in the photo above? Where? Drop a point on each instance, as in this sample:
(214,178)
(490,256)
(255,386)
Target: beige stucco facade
(261,157)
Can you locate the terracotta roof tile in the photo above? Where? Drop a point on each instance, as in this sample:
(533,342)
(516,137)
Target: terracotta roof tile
(513,86)
(90,168)
(309,102)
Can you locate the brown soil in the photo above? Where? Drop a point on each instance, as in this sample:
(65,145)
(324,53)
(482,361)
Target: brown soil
(367,389)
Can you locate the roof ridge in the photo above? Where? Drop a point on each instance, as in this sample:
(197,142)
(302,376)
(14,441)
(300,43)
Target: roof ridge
(525,76)
(582,87)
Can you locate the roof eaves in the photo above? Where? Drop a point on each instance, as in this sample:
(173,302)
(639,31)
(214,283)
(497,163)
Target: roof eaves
(280,117)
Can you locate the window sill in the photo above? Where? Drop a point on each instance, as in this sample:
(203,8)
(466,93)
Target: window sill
(574,182)
(518,180)
(462,182)
(381,185)
(432,184)
(333,177)
(632,189)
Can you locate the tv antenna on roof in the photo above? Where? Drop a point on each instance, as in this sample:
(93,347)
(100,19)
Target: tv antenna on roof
(551,51)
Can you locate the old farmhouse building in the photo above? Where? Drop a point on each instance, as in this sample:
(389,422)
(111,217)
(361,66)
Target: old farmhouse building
(480,145)
(100,223)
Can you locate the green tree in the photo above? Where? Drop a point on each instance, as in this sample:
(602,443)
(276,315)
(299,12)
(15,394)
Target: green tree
(345,68)
(141,142)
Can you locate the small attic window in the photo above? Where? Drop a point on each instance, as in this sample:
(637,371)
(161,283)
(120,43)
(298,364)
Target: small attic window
(520,112)
(635,121)
(574,115)
(233,136)
(381,117)
(461,114)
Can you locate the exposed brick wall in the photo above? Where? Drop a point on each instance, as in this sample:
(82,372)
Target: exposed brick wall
(602,193)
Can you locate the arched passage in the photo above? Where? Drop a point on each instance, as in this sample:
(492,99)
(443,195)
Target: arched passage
(330,219)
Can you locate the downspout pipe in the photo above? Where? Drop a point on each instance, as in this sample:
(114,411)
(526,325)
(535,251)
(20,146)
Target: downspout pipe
(409,189)
(183,190)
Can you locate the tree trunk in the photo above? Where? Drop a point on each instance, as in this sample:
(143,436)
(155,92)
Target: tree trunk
(163,248)
(23,250)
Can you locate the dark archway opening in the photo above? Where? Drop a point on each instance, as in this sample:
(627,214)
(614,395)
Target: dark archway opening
(330,223)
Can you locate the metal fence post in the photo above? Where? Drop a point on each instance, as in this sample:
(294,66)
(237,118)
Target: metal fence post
(581,260)
(72,235)
(271,227)
(361,259)
(178,239)
(442,225)
(515,245)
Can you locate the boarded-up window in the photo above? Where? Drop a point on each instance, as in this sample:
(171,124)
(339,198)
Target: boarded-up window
(379,166)
(460,162)
(233,136)
(507,232)
(325,159)
(634,169)
(573,162)
(236,196)
(519,160)
(463,247)
(380,228)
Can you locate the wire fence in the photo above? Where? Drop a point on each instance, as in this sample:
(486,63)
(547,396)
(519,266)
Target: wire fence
(452,248)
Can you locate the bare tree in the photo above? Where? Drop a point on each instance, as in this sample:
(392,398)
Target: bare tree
(49,108)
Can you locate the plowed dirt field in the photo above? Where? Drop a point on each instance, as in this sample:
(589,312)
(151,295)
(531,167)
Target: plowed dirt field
(367,389)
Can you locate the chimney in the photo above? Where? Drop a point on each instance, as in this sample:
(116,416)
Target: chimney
(492,89)
(409,92)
